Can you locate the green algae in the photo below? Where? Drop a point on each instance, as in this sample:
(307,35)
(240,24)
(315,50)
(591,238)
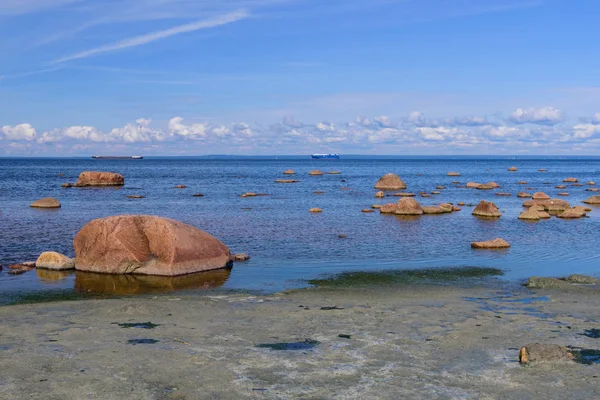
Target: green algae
(47,296)
(395,277)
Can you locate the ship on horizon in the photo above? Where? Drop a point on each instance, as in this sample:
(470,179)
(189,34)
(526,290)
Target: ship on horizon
(118,157)
(329,156)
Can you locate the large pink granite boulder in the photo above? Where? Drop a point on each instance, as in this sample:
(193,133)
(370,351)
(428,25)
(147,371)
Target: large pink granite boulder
(148,245)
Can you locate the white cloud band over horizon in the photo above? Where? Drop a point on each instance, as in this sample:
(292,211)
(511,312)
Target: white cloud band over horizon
(412,134)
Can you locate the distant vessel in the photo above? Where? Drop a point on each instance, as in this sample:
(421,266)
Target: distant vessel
(118,157)
(326,156)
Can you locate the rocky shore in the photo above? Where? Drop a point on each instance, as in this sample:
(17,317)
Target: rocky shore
(365,336)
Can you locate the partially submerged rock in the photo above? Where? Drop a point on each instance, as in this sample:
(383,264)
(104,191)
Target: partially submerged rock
(571,180)
(486,209)
(389,208)
(149,245)
(472,185)
(540,196)
(404,194)
(390,182)
(497,243)
(544,353)
(452,173)
(563,194)
(380,195)
(573,213)
(315,172)
(47,202)
(66,185)
(289,172)
(54,261)
(408,206)
(240,257)
(524,195)
(286,181)
(503,194)
(513,169)
(530,215)
(99,178)
(252,194)
(315,210)
(180,187)
(593,200)
(431,210)
(367,210)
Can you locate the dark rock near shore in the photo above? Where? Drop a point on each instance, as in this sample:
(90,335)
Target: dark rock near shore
(536,353)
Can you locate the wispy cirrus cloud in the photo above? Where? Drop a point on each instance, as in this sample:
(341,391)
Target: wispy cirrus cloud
(154,36)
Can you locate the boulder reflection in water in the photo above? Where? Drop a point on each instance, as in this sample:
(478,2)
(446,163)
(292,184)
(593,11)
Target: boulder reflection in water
(47,275)
(89,282)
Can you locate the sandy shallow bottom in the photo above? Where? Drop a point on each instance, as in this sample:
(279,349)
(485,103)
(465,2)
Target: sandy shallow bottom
(418,342)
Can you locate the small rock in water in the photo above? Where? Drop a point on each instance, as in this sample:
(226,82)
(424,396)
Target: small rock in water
(544,353)
(513,169)
(286,181)
(315,210)
(367,210)
(342,237)
(29,264)
(497,243)
(66,185)
(135,196)
(289,172)
(241,257)
(197,195)
(179,187)
(48,202)
(54,261)
(315,172)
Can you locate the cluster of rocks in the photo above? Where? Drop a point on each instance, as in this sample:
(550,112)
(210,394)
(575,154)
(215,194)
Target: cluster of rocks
(541,206)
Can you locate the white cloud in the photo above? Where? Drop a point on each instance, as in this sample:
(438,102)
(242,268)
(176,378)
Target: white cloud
(325,126)
(19,132)
(384,121)
(154,36)
(585,131)
(541,116)
(178,128)
(596,119)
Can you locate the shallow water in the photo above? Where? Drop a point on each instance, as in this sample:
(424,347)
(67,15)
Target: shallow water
(289,245)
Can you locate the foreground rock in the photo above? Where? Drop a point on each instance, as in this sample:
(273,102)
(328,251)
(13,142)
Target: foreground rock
(54,261)
(486,209)
(497,243)
(95,178)
(47,202)
(390,182)
(544,353)
(149,245)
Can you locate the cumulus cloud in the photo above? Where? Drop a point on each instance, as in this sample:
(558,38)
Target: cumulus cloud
(596,119)
(19,132)
(541,116)
(585,131)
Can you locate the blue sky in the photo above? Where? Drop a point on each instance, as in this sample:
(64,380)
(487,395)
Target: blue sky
(193,77)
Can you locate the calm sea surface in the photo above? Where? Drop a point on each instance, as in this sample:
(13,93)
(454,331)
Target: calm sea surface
(288,244)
